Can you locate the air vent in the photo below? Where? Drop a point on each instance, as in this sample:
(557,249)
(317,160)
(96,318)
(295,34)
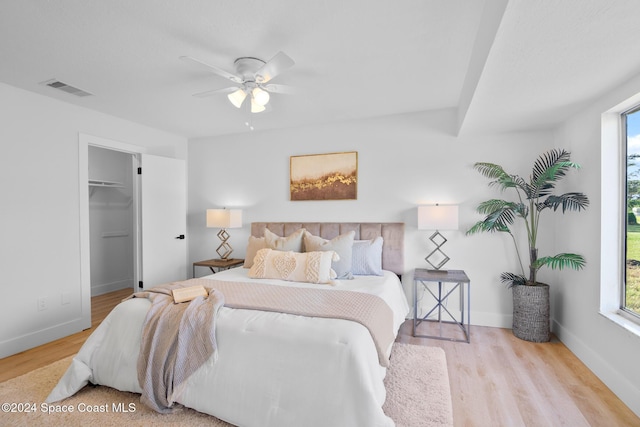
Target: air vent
(57,84)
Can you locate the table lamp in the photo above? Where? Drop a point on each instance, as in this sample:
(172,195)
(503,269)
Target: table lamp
(223,219)
(437,217)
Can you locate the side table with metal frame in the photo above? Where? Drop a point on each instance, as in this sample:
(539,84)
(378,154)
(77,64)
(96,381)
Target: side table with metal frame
(441,295)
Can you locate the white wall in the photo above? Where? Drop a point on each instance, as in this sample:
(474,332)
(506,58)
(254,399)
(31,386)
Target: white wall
(40,248)
(607,348)
(403,161)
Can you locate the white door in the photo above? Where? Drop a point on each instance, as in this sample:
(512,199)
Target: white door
(163,213)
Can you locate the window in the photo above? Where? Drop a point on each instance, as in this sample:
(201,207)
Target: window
(631,283)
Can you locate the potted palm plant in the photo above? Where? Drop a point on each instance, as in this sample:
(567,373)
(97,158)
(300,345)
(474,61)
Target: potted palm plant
(533,197)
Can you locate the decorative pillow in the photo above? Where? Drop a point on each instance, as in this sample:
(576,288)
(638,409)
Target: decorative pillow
(367,257)
(309,267)
(293,242)
(342,245)
(253,246)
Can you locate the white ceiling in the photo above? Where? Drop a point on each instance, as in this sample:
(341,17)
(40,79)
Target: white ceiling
(505,65)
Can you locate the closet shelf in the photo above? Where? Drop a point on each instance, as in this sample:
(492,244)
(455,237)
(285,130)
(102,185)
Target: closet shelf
(103,183)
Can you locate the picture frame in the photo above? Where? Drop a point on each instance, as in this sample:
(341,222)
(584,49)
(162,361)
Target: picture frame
(329,176)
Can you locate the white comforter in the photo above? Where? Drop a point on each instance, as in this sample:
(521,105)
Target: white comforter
(273,369)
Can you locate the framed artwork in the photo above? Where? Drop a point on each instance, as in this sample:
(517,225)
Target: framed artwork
(331,176)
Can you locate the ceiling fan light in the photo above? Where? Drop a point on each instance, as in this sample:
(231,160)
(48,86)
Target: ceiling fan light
(237,97)
(255,107)
(260,96)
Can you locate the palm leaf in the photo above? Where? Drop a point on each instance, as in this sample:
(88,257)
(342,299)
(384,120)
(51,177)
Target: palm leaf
(483,227)
(549,168)
(568,201)
(561,261)
(499,215)
(547,161)
(526,187)
(493,205)
(492,171)
(511,279)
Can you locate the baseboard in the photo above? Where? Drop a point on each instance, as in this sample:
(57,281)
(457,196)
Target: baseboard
(478,318)
(628,392)
(105,288)
(34,339)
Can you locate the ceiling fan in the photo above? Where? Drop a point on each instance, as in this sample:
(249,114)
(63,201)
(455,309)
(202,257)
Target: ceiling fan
(252,79)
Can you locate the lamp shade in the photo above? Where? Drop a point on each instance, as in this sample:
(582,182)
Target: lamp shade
(438,217)
(224,218)
(237,97)
(260,96)
(255,107)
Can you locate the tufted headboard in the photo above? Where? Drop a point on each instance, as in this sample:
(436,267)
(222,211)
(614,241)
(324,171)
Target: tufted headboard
(391,232)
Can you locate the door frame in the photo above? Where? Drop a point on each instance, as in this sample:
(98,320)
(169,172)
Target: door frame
(84,141)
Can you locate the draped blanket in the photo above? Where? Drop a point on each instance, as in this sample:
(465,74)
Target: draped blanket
(369,310)
(176,340)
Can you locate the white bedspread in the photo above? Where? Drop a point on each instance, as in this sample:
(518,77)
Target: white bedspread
(273,369)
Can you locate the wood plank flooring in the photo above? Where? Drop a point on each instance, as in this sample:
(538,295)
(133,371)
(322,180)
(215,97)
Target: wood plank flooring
(496,380)
(26,361)
(500,380)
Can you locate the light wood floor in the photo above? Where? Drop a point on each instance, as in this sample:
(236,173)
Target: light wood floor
(500,380)
(43,355)
(496,380)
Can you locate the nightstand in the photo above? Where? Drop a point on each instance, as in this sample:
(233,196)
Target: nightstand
(433,283)
(220,264)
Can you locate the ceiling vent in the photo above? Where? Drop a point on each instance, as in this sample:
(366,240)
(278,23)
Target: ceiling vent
(56,84)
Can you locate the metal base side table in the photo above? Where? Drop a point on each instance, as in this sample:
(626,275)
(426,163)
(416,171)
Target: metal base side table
(441,295)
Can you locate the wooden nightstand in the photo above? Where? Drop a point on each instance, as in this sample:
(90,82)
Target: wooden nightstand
(220,264)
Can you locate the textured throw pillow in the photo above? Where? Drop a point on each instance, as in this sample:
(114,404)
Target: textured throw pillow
(366,257)
(309,267)
(253,246)
(342,245)
(293,242)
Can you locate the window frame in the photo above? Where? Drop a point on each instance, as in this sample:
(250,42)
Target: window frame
(624,139)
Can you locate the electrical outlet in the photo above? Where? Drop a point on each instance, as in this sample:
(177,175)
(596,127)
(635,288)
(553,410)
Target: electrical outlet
(42,303)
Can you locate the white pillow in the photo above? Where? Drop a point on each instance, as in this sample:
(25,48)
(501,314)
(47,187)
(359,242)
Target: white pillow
(366,257)
(293,242)
(341,244)
(309,267)
(253,246)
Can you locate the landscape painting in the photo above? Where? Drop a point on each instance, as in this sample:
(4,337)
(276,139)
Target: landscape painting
(332,176)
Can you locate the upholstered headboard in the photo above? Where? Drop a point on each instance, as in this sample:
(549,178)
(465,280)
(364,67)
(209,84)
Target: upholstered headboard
(391,232)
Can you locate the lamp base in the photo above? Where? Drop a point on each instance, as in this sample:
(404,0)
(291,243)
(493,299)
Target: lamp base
(225,249)
(437,253)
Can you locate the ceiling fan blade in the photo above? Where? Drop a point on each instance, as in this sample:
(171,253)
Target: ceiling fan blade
(216,91)
(273,67)
(288,90)
(211,68)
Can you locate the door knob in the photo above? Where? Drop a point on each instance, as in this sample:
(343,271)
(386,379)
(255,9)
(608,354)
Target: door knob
(181,237)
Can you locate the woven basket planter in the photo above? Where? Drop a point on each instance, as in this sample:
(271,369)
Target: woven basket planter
(531,313)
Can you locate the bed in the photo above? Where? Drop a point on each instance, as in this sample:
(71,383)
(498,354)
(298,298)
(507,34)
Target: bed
(271,368)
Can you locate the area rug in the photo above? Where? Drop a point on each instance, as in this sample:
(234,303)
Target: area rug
(417,384)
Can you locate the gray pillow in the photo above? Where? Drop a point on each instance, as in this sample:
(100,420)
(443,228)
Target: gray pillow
(293,242)
(367,257)
(342,245)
